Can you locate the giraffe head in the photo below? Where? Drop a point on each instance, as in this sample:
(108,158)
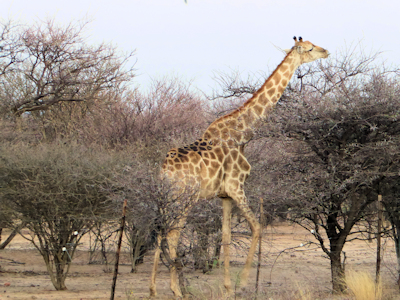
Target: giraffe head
(307,51)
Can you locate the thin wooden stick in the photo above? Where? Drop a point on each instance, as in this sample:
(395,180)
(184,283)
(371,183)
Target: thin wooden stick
(378,239)
(259,244)
(121,230)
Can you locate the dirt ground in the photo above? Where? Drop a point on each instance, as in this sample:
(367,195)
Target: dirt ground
(287,268)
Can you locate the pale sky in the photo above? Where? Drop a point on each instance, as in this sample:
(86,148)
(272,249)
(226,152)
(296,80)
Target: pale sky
(194,40)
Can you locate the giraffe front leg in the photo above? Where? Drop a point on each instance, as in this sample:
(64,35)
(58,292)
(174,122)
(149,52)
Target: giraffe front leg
(153,288)
(236,192)
(173,238)
(255,230)
(226,241)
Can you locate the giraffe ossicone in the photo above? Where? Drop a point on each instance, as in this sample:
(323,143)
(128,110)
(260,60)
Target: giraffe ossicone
(216,162)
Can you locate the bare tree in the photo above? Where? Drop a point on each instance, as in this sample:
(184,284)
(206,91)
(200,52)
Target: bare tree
(55,65)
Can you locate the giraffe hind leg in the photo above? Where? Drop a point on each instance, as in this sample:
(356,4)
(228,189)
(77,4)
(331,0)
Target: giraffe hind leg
(172,245)
(226,240)
(153,288)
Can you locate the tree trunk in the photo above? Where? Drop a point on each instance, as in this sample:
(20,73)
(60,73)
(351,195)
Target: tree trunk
(338,283)
(10,237)
(57,277)
(397,247)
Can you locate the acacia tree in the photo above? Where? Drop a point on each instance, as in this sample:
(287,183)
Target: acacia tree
(58,191)
(332,140)
(55,65)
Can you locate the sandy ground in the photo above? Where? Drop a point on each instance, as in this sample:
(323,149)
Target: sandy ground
(286,269)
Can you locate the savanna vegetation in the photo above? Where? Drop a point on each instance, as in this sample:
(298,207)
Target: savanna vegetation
(78,137)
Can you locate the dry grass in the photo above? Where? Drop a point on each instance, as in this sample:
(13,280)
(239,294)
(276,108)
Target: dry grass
(362,286)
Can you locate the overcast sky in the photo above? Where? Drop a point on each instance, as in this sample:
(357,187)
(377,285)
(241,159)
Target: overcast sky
(195,39)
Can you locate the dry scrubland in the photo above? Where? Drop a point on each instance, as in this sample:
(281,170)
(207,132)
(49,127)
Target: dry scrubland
(78,136)
(297,273)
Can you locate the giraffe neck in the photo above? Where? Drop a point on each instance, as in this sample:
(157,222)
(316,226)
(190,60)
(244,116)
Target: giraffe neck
(237,127)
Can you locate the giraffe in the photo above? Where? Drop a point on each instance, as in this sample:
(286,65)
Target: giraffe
(216,162)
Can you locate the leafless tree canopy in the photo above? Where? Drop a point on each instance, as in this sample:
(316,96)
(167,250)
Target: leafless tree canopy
(47,64)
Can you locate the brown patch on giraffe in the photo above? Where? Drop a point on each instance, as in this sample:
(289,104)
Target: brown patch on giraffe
(244,165)
(263,99)
(217,183)
(234,154)
(232,123)
(194,158)
(215,132)
(186,167)
(284,67)
(205,154)
(213,169)
(258,109)
(241,177)
(191,168)
(231,143)
(277,77)
(269,84)
(271,92)
(248,118)
(236,135)
(178,166)
(240,126)
(206,161)
(281,89)
(182,151)
(228,164)
(219,154)
(184,159)
(220,125)
(235,174)
(225,149)
(212,155)
(225,133)
(220,174)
